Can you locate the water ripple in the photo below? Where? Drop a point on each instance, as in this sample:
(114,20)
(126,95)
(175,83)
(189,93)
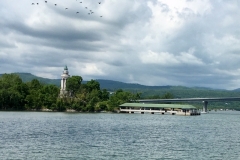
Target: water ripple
(38,135)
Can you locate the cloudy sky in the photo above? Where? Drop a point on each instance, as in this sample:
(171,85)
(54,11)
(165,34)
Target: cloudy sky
(150,42)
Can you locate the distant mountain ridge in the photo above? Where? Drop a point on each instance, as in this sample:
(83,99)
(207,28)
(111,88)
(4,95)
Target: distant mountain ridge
(27,77)
(112,85)
(105,84)
(155,91)
(237,90)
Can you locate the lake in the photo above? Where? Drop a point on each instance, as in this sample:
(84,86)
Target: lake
(56,135)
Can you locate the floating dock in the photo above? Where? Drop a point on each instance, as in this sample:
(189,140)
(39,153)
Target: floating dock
(172,109)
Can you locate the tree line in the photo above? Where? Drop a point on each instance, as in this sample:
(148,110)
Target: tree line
(83,97)
(18,95)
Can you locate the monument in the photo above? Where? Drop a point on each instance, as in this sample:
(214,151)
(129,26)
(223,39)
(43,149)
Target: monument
(65,75)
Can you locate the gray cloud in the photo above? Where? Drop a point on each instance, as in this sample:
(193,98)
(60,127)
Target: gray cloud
(155,42)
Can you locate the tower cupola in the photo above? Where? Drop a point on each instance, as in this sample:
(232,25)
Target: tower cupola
(65,71)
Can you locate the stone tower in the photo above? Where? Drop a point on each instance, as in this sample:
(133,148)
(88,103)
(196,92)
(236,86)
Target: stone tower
(64,76)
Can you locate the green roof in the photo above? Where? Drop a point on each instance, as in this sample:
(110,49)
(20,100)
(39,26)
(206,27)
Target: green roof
(150,105)
(65,68)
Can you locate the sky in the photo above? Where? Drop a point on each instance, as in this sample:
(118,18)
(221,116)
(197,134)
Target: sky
(192,43)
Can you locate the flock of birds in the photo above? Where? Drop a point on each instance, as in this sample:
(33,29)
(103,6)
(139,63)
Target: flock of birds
(89,11)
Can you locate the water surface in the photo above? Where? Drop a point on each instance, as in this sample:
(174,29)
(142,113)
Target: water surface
(48,135)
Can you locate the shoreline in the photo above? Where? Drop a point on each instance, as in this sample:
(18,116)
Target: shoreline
(48,110)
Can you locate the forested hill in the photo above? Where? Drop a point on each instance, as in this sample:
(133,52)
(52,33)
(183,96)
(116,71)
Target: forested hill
(105,84)
(114,85)
(153,91)
(176,91)
(27,77)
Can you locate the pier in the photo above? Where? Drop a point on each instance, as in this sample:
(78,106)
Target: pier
(171,109)
(203,100)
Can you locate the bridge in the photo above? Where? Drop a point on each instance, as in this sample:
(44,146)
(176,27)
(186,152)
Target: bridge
(204,100)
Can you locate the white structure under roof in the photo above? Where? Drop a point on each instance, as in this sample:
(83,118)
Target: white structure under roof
(64,76)
(178,109)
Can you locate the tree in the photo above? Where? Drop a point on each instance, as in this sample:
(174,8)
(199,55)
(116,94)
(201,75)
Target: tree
(12,92)
(35,98)
(92,85)
(167,96)
(50,95)
(121,97)
(34,85)
(73,84)
(104,95)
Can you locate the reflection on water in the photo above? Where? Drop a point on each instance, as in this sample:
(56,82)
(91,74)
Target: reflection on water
(40,135)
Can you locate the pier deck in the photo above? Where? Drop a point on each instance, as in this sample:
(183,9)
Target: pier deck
(173,109)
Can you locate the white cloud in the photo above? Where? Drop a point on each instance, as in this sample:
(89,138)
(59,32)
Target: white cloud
(157,42)
(169,59)
(91,69)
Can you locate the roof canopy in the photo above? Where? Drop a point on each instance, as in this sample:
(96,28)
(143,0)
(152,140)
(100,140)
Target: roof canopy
(148,105)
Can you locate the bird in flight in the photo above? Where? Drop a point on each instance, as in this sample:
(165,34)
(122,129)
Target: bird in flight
(77,12)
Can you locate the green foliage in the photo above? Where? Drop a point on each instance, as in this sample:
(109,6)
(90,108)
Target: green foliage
(73,84)
(92,85)
(120,97)
(101,106)
(50,95)
(167,96)
(104,95)
(17,94)
(12,92)
(35,97)
(61,104)
(27,77)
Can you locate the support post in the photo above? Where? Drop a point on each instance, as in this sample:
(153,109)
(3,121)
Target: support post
(205,106)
